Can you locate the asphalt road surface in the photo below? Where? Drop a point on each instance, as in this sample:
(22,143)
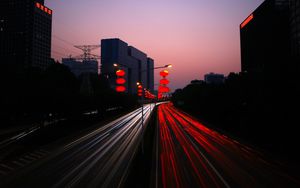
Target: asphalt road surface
(98,159)
(192,155)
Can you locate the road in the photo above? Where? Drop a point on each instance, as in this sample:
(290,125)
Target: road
(192,155)
(99,159)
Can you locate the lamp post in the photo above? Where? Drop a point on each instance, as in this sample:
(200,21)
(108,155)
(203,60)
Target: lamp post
(141,94)
(141,71)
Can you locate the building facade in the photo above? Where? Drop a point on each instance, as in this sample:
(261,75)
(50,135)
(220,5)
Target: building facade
(138,67)
(295,29)
(270,40)
(150,74)
(265,39)
(25,33)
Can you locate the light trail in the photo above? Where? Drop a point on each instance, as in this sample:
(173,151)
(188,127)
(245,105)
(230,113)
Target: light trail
(192,155)
(100,158)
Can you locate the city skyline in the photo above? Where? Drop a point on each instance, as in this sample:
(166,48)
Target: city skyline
(178,33)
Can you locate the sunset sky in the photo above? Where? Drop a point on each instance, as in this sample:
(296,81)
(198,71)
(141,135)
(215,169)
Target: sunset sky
(196,36)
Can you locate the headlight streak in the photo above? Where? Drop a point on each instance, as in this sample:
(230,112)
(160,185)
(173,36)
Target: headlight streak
(100,158)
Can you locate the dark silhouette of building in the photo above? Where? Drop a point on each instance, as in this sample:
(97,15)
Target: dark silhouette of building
(25,33)
(138,67)
(81,67)
(213,78)
(265,40)
(150,74)
(295,30)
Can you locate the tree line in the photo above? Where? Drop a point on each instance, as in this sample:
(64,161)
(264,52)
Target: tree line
(256,108)
(29,94)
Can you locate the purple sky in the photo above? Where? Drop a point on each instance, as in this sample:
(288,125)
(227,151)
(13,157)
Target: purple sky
(196,36)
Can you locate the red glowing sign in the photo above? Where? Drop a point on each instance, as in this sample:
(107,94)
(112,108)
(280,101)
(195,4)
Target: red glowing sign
(120,81)
(43,8)
(139,86)
(164,73)
(120,88)
(248,19)
(120,73)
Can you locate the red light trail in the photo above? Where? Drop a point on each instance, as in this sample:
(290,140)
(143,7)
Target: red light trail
(192,155)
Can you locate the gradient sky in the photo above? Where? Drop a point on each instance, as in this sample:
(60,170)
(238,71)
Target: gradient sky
(196,36)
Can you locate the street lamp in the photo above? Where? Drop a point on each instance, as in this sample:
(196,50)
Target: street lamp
(140,88)
(159,67)
(165,66)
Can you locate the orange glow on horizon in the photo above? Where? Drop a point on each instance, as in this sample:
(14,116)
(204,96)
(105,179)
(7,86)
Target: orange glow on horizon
(248,19)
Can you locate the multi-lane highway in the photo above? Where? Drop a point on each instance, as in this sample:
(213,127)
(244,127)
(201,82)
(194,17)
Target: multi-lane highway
(98,159)
(192,155)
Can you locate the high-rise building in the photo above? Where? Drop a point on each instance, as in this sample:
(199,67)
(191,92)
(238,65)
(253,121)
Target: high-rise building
(138,67)
(25,33)
(150,74)
(295,29)
(265,40)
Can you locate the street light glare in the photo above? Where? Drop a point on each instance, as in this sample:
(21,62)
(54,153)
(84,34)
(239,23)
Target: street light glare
(169,66)
(115,65)
(138,83)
